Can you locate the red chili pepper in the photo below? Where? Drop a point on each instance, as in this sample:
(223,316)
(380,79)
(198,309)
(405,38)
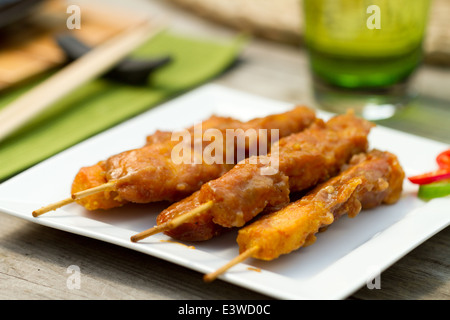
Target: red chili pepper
(429,177)
(443,159)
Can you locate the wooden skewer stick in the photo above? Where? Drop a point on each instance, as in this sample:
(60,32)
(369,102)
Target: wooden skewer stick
(52,206)
(243,256)
(74,197)
(94,190)
(168,225)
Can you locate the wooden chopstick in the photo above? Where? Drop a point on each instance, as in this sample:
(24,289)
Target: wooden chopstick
(91,65)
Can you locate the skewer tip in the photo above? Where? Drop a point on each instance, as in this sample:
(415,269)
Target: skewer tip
(208,278)
(35,213)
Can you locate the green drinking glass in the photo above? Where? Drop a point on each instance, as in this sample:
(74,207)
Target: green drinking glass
(363,52)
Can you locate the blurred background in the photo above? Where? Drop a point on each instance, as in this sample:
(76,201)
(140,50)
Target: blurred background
(271,62)
(27,27)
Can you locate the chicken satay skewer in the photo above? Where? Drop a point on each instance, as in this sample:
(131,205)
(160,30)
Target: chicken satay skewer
(371,179)
(305,159)
(202,208)
(184,178)
(110,185)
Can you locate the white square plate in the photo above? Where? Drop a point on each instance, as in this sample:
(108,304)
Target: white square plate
(341,261)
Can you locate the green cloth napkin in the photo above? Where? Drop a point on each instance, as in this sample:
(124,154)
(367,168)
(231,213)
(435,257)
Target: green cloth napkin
(101,104)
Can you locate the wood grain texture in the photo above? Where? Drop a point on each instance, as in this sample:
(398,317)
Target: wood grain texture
(34,259)
(421,275)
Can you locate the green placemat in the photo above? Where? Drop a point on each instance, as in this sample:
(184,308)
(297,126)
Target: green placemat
(101,104)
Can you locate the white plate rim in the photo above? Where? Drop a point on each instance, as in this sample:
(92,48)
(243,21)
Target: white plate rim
(340,279)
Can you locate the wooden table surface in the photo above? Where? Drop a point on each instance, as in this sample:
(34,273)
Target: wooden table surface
(34,259)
